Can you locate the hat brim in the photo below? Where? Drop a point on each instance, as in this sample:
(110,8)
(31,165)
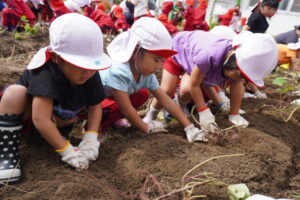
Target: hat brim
(40,58)
(89,63)
(165,53)
(122,47)
(258,83)
(294,46)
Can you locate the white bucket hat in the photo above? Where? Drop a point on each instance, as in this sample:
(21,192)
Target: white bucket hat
(224,32)
(148,33)
(256,55)
(82,48)
(294,46)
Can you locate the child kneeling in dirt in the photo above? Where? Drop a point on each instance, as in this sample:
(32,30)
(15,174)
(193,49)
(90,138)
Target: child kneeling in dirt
(58,83)
(137,54)
(206,59)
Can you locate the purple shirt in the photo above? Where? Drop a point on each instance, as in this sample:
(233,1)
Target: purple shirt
(205,50)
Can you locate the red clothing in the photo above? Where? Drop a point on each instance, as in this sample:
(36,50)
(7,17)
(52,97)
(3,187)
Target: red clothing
(46,11)
(121,23)
(169,26)
(199,16)
(226,18)
(14,11)
(167,7)
(111,110)
(59,8)
(103,20)
(189,19)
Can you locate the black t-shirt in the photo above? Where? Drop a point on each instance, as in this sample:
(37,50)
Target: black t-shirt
(287,37)
(258,23)
(69,100)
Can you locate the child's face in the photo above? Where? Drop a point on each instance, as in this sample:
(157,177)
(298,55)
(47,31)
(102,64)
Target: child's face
(268,11)
(149,63)
(76,75)
(234,74)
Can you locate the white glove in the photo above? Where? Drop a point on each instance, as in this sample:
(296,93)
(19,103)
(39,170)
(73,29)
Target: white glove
(238,120)
(260,95)
(74,157)
(207,121)
(194,134)
(89,145)
(155,127)
(225,108)
(151,115)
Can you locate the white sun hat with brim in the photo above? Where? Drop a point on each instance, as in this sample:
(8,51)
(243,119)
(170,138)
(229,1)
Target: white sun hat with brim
(224,32)
(256,55)
(149,33)
(82,48)
(294,46)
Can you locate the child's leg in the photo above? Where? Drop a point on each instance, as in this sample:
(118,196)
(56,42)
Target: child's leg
(236,94)
(111,110)
(212,93)
(254,89)
(13,104)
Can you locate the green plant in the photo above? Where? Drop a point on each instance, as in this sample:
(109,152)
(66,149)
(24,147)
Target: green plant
(23,29)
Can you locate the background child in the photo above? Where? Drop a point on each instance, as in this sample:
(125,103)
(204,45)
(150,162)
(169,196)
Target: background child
(205,58)
(292,36)
(59,82)
(138,53)
(11,15)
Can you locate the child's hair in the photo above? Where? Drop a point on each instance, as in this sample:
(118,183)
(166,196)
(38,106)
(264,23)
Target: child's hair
(271,3)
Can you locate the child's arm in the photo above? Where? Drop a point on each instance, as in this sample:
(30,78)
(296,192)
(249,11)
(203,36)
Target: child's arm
(126,108)
(195,81)
(41,117)
(170,106)
(94,117)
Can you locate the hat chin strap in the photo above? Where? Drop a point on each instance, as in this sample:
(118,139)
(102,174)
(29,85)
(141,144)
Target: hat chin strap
(136,63)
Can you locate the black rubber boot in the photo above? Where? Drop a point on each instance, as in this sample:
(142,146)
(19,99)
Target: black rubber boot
(10,126)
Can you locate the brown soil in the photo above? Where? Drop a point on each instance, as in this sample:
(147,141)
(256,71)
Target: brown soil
(133,166)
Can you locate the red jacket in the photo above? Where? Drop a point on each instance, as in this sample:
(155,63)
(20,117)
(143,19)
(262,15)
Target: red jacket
(21,8)
(121,23)
(167,7)
(102,19)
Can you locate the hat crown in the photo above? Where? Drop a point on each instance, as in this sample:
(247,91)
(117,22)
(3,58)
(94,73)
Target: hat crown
(151,34)
(256,54)
(67,38)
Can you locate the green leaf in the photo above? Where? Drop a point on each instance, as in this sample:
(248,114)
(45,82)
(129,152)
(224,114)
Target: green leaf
(280,81)
(27,27)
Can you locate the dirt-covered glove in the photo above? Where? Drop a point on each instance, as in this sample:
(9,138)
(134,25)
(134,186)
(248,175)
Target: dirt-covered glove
(207,121)
(238,120)
(260,95)
(151,115)
(73,156)
(194,134)
(89,145)
(225,108)
(155,127)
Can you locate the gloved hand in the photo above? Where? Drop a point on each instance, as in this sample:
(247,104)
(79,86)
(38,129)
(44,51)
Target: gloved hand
(74,157)
(238,120)
(89,145)
(207,121)
(151,115)
(260,95)
(262,197)
(155,127)
(225,108)
(194,134)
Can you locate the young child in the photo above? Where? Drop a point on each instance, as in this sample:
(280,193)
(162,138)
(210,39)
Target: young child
(257,23)
(205,58)
(11,15)
(290,55)
(119,18)
(137,54)
(189,15)
(176,14)
(199,18)
(59,82)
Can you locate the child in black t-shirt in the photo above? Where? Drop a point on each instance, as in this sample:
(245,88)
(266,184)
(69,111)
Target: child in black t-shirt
(257,23)
(58,83)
